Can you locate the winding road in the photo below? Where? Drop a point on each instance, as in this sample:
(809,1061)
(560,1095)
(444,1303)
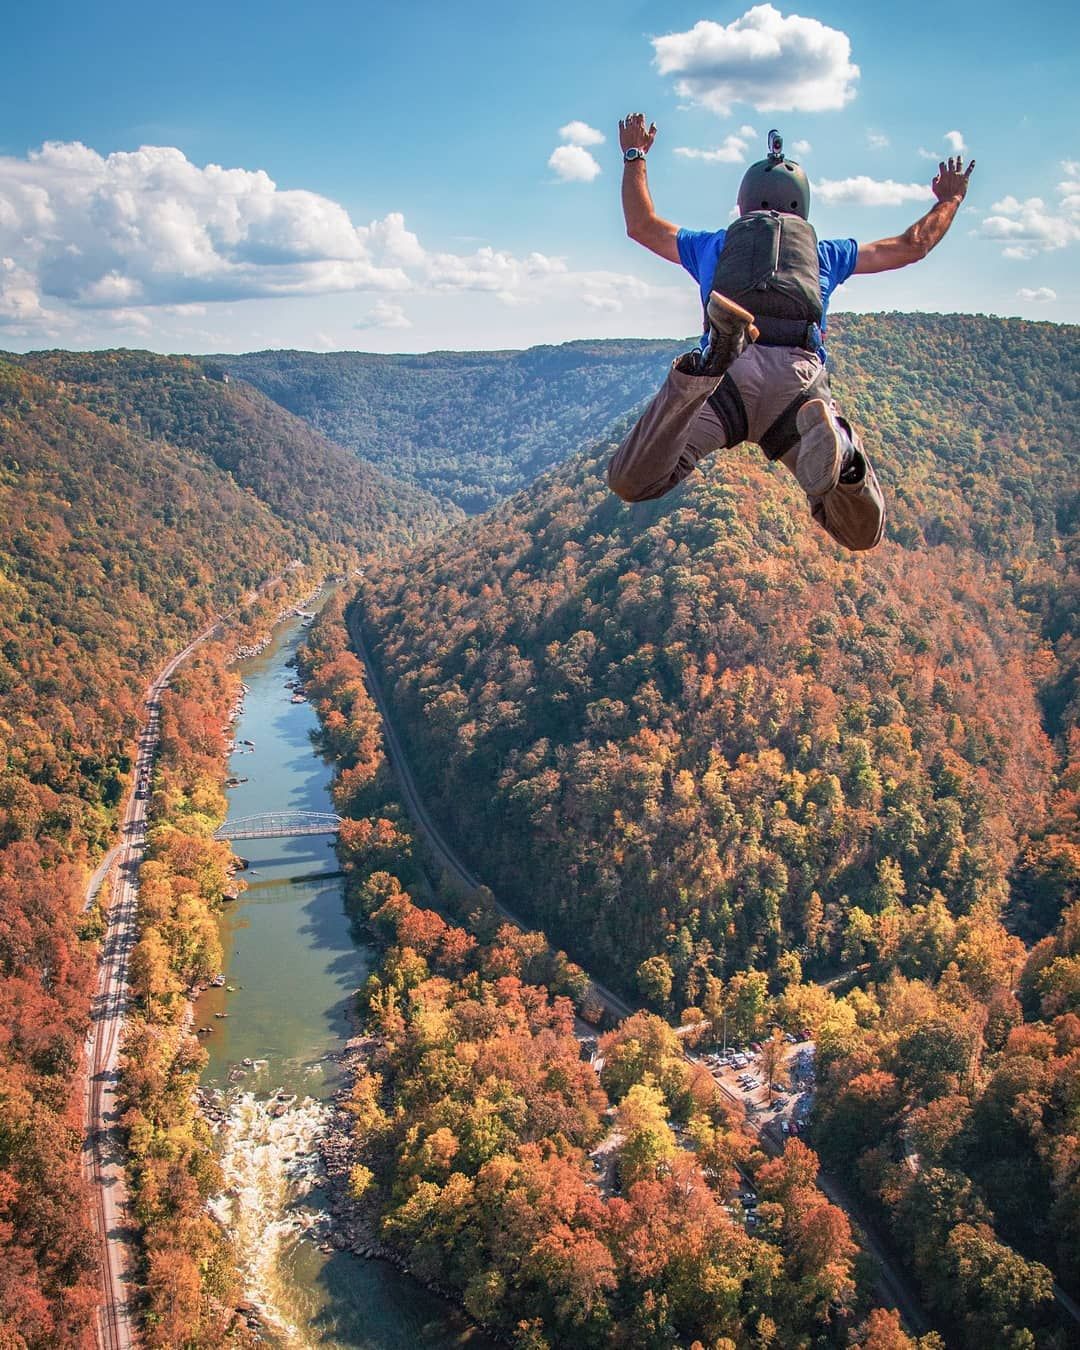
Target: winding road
(103,1154)
(893,1285)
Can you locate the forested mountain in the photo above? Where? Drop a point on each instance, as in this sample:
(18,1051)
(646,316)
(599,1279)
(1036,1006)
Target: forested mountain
(694,740)
(469,426)
(299,474)
(568,1205)
(132,508)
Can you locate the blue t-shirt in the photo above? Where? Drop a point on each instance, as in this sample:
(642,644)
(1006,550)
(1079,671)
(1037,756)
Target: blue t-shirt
(699,251)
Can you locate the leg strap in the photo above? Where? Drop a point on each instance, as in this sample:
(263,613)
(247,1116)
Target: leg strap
(784,432)
(728,405)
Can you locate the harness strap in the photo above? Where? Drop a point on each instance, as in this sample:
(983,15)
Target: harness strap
(784,432)
(728,405)
(787,333)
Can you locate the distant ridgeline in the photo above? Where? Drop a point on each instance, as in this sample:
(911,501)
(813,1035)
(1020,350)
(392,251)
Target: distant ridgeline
(692,738)
(137,499)
(469,426)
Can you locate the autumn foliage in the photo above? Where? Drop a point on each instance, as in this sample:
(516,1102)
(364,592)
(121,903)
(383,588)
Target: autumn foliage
(724,765)
(562,1208)
(126,522)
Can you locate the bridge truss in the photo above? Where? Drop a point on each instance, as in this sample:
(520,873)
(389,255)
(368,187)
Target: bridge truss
(279,825)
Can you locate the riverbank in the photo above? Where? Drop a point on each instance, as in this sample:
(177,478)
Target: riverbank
(276,1063)
(185,1266)
(354,1223)
(246,651)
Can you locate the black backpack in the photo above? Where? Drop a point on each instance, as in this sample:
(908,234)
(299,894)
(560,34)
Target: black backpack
(769,265)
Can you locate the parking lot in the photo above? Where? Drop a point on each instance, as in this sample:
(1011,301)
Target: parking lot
(783,1106)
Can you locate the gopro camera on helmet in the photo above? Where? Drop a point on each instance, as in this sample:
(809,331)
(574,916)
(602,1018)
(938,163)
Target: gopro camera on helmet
(776,145)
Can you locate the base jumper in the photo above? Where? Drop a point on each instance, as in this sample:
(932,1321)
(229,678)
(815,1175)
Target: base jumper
(759,372)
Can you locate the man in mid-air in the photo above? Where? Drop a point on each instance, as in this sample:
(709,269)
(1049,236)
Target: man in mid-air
(759,373)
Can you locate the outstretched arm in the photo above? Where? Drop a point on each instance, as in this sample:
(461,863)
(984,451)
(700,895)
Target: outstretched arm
(949,187)
(642,223)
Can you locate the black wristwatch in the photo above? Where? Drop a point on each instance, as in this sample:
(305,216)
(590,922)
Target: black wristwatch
(632,154)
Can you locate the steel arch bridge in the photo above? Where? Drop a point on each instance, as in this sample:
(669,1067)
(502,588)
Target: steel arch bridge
(279,825)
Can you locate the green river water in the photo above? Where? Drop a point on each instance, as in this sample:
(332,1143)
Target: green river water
(293,963)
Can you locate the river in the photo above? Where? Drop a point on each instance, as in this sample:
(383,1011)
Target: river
(292,963)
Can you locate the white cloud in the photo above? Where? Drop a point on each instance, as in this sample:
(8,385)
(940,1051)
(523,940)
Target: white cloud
(802,147)
(1038,293)
(732,151)
(384,314)
(580,133)
(864,191)
(764,58)
(151,228)
(149,242)
(129,318)
(20,301)
(608,303)
(126,235)
(111,289)
(489,269)
(877,140)
(393,243)
(955,146)
(1028,228)
(573,164)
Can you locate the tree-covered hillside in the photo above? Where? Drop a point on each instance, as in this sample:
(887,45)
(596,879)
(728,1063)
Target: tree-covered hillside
(133,507)
(693,739)
(470,426)
(721,621)
(300,475)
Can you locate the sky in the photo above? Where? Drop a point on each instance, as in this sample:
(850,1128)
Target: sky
(207,178)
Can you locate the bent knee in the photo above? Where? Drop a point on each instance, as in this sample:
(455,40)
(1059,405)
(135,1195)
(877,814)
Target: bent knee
(864,545)
(621,484)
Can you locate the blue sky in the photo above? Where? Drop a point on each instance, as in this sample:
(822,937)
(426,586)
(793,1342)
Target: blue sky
(385,179)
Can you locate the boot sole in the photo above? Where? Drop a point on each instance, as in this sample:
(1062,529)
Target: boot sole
(730,329)
(724,313)
(821,449)
(727,311)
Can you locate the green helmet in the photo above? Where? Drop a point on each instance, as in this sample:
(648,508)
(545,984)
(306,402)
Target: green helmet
(775,183)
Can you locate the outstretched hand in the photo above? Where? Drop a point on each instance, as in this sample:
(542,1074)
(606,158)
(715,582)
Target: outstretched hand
(950,181)
(634,134)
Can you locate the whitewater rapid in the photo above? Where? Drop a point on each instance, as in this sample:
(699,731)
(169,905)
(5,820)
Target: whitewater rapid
(269,1156)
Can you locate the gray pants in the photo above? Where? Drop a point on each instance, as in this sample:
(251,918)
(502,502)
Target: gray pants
(680,426)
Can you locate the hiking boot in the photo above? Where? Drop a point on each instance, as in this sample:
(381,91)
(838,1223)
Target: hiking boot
(821,449)
(730,328)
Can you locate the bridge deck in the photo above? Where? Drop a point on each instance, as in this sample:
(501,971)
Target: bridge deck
(279,825)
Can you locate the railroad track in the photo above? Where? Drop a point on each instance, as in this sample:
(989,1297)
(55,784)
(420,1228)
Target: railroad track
(103,1152)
